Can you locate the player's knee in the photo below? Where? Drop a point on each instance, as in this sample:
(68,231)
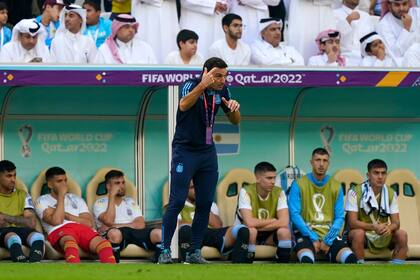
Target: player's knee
(156,235)
(12,238)
(9,235)
(114,236)
(283,233)
(253,232)
(66,238)
(35,236)
(357,236)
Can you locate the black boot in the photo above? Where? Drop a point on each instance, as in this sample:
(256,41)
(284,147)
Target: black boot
(240,249)
(184,242)
(37,251)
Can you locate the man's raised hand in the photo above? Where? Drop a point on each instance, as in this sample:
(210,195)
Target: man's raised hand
(407,20)
(232,104)
(207,78)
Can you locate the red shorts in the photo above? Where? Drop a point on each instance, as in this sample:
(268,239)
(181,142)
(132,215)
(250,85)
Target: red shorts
(81,233)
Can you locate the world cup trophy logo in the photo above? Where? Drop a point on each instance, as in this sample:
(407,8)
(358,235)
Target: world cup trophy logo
(318,201)
(327,135)
(25,136)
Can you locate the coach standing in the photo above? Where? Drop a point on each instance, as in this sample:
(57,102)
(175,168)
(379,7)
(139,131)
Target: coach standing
(194,154)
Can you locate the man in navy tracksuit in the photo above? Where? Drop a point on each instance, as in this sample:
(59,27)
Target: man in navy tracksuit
(194,154)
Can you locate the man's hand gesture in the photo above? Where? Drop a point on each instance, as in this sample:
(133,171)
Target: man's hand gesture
(62,190)
(407,20)
(207,78)
(232,104)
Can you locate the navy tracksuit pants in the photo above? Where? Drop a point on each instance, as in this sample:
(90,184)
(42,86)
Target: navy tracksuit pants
(200,166)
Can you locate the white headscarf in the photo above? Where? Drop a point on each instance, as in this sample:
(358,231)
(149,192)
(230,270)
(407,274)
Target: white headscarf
(30,26)
(75,9)
(367,39)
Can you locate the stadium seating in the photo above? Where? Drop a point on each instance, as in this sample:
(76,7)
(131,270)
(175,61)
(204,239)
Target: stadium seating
(96,189)
(348,178)
(4,253)
(39,187)
(20,185)
(227,192)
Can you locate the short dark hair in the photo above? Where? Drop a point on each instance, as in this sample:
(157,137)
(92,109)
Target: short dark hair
(320,151)
(93,4)
(113,174)
(214,62)
(3,6)
(264,166)
(53,171)
(184,35)
(7,165)
(376,163)
(228,18)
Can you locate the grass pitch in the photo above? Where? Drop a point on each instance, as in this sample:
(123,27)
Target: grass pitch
(146,271)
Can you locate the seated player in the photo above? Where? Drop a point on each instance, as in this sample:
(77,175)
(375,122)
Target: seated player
(373,216)
(66,219)
(119,218)
(317,212)
(262,207)
(17,218)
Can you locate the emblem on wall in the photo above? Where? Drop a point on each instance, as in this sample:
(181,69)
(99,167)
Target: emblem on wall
(25,136)
(327,136)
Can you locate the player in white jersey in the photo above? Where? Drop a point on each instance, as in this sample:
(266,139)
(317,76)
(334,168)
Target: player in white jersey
(66,219)
(120,220)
